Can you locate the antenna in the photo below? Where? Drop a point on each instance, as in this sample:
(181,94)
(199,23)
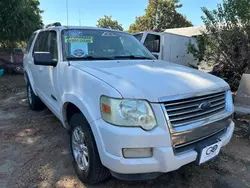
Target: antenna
(79,17)
(67,8)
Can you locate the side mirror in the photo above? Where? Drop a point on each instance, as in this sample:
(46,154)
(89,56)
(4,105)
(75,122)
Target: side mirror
(44,58)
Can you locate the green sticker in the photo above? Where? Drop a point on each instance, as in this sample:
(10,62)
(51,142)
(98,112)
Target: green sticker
(84,39)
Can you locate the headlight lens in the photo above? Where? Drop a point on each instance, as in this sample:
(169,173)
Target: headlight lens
(229,101)
(128,112)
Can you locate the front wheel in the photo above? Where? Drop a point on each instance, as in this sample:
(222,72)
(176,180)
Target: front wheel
(86,159)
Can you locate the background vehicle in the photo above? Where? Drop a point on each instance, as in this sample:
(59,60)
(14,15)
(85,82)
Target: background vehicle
(127,113)
(171,45)
(12,60)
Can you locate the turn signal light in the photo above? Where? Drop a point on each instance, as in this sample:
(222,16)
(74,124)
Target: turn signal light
(106,109)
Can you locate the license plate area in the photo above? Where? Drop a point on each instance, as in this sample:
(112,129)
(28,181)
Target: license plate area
(208,151)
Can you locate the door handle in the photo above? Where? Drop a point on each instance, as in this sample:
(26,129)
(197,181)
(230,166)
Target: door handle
(40,69)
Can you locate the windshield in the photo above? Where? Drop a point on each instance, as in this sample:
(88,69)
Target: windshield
(95,44)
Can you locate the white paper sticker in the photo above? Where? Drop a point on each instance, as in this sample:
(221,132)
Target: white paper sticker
(79,49)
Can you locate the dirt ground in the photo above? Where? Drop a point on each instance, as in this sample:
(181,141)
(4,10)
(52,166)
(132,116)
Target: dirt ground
(34,151)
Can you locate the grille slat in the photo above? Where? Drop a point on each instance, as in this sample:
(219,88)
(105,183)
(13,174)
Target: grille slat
(191,104)
(218,103)
(197,114)
(181,107)
(194,100)
(189,121)
(219,99)
(184,111)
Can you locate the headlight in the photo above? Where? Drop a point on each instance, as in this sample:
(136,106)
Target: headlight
(127,112)
(229,101)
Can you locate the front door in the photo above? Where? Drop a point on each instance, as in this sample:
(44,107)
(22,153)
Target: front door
(48,82)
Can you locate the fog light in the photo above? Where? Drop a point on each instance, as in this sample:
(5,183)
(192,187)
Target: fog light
(137,152)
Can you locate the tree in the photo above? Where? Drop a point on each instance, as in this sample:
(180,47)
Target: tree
(160,15)
(141,24)
(18,19)
(107,22)
(226,42)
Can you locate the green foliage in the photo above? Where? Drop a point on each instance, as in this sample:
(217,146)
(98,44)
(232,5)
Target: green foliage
(198,49)
(18,19)
(160,15)
(141,24)
(107,22)
(226,41)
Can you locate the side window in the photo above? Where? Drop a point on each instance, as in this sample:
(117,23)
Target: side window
(30,42)
(52,45)
(47,42)
(138,36)
(152,42)
(40,42)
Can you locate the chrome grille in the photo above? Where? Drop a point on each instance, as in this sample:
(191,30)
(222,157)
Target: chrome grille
(185,111)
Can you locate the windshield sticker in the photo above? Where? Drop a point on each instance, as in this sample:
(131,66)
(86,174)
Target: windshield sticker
(79,53)
(79,39)
(78,49)
(108,34)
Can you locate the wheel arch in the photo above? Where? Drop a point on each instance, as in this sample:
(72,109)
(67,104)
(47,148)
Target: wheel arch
(73,104)
(28,78)
(70,107)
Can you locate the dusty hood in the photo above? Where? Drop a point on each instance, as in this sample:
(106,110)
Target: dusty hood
(151,80)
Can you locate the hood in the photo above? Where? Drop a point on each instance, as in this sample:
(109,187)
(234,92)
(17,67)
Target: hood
(150,80)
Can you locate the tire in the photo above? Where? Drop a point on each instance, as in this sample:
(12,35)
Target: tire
(34,102)
(94,172)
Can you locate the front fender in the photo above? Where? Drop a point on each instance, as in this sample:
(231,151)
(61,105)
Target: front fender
(88,111)
(84,105)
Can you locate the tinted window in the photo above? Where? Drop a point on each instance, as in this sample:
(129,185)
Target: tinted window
(138,36)
(40,45)
(152,42)
(52,45)
(30,41)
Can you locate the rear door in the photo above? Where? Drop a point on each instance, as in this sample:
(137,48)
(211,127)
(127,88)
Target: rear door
(39,46)
(28,60)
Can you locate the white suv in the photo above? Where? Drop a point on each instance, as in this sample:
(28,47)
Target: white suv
(127,113)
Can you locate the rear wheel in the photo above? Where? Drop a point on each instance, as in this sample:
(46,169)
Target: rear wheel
(34,102)
(86,159)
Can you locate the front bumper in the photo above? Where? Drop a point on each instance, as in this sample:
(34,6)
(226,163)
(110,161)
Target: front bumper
(114,139)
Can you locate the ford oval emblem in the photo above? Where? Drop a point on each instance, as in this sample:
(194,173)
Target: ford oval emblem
(205,105)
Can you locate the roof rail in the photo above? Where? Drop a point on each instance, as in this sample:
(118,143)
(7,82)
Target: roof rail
(53,25)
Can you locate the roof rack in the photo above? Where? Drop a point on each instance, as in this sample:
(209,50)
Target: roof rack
(53,25)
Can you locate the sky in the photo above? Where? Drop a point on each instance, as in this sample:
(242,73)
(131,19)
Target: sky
(87,12)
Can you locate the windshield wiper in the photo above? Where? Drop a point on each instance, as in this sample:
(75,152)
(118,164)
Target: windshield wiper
(132,57)
(89,57)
